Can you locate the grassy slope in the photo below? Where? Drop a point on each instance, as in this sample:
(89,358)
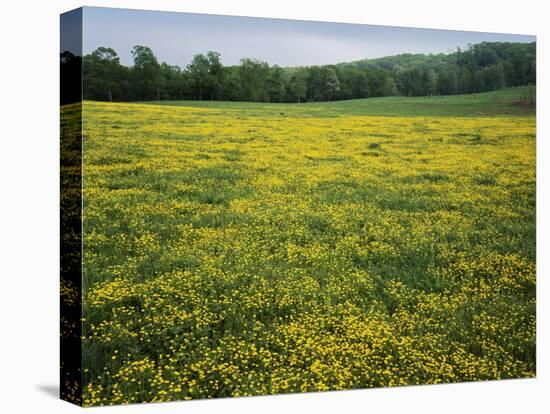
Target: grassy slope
(505,102)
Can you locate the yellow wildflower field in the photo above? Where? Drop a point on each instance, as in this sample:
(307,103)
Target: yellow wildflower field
(230,252)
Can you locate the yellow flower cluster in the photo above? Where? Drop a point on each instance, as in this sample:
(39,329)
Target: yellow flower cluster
(230,252)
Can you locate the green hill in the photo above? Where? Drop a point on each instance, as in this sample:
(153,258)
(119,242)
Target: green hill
(505,102)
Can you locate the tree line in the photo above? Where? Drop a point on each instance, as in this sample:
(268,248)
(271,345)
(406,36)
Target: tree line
(481,67)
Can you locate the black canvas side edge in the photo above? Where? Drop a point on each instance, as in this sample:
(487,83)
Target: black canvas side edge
(71,206)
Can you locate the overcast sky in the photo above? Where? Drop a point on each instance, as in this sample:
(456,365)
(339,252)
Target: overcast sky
(176,37)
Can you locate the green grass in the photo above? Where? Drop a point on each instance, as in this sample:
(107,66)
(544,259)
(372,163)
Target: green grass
(505,102)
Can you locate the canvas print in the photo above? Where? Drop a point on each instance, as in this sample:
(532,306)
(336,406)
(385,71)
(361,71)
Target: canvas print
(256,206)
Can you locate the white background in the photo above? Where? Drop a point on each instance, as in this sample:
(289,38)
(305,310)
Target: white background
(29,219)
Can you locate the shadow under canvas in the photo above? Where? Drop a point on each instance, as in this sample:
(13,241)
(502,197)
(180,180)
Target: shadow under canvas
(51,390)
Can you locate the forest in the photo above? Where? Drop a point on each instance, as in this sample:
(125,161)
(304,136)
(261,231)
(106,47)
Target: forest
(481,67)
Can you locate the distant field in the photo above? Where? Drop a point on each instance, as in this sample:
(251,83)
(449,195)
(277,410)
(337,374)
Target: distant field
(506,102)
(240,249)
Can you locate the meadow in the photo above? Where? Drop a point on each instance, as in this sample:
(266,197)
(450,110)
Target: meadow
(235,249)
